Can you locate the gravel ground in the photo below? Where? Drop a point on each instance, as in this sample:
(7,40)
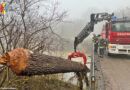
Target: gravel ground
(98,74)
(112,73)
(116,72)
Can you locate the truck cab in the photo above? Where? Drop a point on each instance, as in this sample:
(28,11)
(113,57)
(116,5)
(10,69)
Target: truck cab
(117,33)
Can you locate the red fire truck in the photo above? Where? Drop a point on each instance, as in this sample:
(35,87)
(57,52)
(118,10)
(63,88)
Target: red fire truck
(117,34)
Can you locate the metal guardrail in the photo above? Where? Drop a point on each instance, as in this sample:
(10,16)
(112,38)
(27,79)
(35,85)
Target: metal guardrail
(92,72)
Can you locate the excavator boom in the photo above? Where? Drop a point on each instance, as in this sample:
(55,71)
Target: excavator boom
(94,19)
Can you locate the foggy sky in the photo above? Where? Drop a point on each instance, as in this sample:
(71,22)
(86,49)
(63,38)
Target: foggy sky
(79,13)
(76,8)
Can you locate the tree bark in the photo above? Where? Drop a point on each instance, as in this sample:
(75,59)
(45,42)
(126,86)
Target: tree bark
(25,62)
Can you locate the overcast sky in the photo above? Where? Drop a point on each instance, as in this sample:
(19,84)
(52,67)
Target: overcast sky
(81,10)
(76,8)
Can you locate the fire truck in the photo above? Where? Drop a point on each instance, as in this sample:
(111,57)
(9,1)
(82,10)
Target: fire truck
(117,34)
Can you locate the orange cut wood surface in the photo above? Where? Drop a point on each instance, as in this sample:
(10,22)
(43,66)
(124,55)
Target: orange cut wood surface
(16,59)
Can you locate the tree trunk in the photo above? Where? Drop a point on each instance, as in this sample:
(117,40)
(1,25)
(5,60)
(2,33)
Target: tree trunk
(26,63)
(1,68)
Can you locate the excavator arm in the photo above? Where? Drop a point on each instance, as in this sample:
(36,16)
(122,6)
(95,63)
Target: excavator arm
(94,19)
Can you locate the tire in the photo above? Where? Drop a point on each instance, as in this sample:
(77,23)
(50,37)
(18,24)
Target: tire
(109,54)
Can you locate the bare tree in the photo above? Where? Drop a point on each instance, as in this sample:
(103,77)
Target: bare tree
(29,24)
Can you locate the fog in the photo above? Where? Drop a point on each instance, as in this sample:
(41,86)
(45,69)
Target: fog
(76,8)
(79,11)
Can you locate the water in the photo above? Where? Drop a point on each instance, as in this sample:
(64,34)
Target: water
(67,76)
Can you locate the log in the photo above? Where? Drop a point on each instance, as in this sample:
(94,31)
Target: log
(27,63)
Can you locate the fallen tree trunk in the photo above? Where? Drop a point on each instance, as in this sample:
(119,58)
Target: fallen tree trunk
(25,62)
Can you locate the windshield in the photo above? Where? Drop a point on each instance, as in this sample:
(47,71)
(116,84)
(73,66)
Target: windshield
(121,27)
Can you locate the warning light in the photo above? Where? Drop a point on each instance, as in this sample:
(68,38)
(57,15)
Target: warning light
(93,84)
(114,17)
(93,81)
(109,46)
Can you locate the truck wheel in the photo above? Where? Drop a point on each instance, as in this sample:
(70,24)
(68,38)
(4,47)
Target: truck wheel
(109,54)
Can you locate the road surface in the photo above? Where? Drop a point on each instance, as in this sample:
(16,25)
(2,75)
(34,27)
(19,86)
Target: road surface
(116,72)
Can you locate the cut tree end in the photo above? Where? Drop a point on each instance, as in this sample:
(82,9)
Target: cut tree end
(16,59)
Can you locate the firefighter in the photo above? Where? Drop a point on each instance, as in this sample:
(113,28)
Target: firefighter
(105,42)
(95,41)
(101,46)
(98,42)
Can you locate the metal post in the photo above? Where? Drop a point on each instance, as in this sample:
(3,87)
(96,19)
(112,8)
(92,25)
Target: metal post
(92,74)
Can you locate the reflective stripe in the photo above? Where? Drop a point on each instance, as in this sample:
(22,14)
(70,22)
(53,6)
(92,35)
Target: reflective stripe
(101,47)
